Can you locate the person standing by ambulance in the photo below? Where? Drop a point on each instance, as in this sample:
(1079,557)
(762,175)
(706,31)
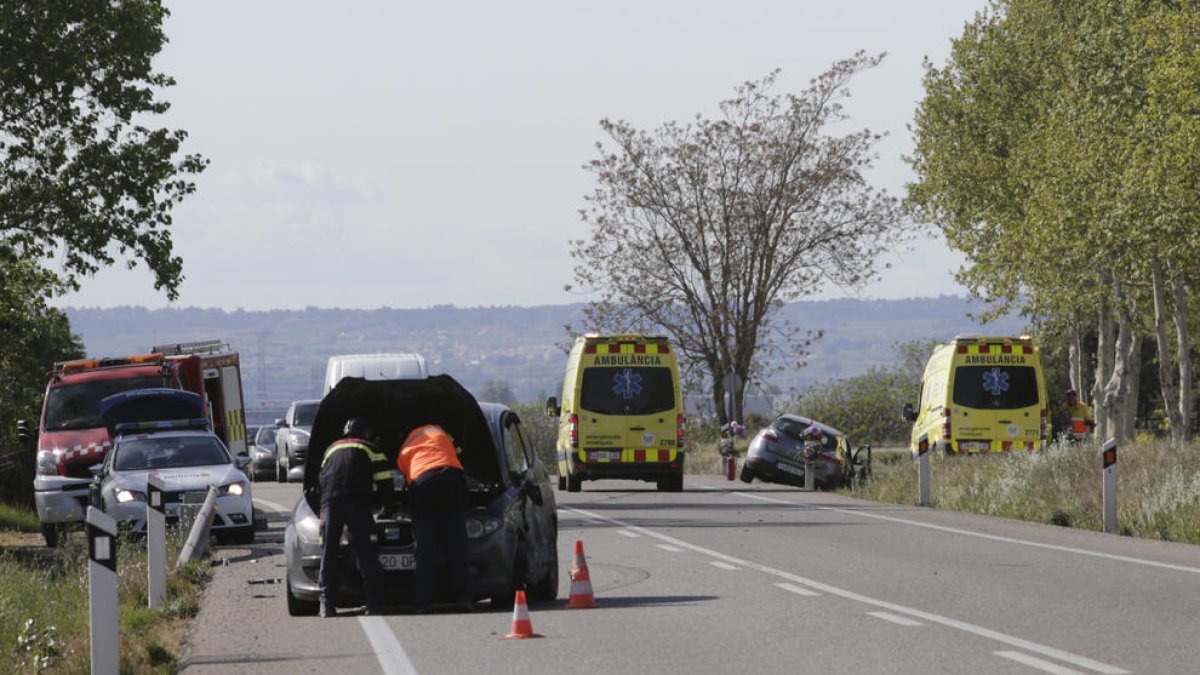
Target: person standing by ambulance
(437,500)
(1082,420)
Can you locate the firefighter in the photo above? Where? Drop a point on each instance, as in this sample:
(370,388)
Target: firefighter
(351,467)
(437,500)
(1082,420)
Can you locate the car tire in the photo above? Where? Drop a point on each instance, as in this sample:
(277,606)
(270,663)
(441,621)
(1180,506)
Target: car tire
(53,533)
(546,588)
(574,483)
(562,483)
(297,606)
(747,475)
(280,474)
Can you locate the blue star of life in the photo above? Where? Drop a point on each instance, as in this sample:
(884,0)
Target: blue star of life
(995,381)
(627,384)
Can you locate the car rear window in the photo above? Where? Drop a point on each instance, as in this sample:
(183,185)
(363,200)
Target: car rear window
(627,391)
(995,387)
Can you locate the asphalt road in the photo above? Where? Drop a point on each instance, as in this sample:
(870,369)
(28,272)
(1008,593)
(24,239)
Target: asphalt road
(755,578)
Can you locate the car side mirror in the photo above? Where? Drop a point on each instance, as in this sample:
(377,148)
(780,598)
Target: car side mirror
(552,407)
(531,490)
(96,470)
(908,413)
(242,460)
(280,423)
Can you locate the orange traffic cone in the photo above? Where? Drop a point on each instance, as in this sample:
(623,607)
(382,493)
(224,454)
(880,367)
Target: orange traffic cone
(581,581)
(522,627)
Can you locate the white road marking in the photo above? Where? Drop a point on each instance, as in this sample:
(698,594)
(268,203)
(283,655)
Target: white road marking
(1035,662)
(798,590)
(981,535)
(272,505)
(723,565)
(668,547)
(988,633)
(393,660)
(903,621)
(627,533)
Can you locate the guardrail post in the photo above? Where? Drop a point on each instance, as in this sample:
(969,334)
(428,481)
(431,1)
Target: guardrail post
(197,540)
(1109,485)
(102,590)
(156,541)
(923,470)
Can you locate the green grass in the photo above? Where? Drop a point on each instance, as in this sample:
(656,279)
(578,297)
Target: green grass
(1158,487)
(44,609)
(18,519)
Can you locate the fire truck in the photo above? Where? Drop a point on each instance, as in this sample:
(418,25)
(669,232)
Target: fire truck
(72,437)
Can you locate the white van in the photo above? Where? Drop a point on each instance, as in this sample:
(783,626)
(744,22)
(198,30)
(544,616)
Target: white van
(374,367)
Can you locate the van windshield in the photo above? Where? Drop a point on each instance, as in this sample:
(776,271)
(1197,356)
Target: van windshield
(628,391)
(77,406)
(995,387)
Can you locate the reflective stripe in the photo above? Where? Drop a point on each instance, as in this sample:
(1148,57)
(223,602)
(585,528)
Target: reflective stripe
(382,475)
(371,454)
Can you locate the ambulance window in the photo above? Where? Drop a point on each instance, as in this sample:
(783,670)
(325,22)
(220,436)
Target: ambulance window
(627,391)
(995,387)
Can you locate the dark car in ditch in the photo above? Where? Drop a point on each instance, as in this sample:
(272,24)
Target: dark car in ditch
(512,522)
(776,455)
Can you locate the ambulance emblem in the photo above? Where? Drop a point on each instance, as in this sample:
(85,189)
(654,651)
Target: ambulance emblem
(627,384)
(995,381)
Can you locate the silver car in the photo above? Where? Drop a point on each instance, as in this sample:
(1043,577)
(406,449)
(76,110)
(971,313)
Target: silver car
(291,439)
(776,455)
(262,453)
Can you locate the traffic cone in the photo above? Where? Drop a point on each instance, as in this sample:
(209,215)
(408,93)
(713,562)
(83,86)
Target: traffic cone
(581,581)
(522,627)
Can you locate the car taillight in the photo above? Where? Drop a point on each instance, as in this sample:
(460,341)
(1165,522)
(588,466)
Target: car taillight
(946,424)
(680,436)
(574,430)
(770,434)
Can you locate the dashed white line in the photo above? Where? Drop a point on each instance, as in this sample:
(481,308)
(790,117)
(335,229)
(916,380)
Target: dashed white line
(272,505)
(902,620)
(393,660)
(627,533)
(1035,662)
(723,565)
(798,590)
(668,547)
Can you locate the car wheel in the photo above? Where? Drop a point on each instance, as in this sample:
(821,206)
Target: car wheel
(53,533)
(297,606)
(562,483)
(280,476)
(546,588)
(574,483)
(747,475)
(287,468)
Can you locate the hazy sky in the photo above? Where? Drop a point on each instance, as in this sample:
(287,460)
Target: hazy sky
(369,154)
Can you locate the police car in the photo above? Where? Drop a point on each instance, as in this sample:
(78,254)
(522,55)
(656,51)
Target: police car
(163,432)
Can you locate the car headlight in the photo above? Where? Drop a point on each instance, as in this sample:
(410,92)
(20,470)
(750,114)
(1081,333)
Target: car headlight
(47,463)
(233,489)
(481,527)
(126,496)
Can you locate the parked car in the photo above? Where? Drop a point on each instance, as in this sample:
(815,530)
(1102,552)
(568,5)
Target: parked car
(165,431)
(262,452)
(512,523)
(776,455)
(291,439)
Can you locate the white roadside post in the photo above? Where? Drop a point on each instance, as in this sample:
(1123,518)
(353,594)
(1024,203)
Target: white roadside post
(102,587)
(156,540)
(923,470)
(810,481)
(1109,489)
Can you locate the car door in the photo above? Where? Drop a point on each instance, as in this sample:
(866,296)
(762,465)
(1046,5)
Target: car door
(538,499)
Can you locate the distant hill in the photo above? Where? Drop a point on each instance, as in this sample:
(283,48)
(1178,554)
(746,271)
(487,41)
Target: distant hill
(283,352)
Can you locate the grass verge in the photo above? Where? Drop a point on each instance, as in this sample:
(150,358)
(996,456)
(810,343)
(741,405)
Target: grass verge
(44,608)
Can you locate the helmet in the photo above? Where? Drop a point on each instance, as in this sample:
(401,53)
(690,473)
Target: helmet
(814,431)
(357,427)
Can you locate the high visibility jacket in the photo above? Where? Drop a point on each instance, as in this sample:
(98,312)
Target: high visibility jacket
(353,470)
(426,448)
(1081,416)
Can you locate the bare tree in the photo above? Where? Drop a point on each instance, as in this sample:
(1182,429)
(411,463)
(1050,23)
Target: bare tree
(704,230)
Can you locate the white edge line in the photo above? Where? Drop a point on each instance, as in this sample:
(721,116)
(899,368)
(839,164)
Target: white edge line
(988,633)
(902,620)
(668,547)
(272,505)
(981,535)
(1034,662)
(798,590)
(393,660)
(723,565)
(627,533)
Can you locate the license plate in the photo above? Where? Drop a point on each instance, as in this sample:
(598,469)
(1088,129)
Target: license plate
(974,446)
(601,455)
(397,561)
(788,468)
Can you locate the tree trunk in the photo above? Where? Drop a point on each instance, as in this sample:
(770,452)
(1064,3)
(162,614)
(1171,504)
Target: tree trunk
(1116,389)
(1075,355)
(1184,351)
(1135,386)
(1104,360)
(1166,364)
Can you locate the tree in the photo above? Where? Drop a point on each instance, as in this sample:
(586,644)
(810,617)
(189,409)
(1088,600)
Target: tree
(704,230)
(81,178)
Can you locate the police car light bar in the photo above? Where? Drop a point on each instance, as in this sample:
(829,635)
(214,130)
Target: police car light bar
(163,425)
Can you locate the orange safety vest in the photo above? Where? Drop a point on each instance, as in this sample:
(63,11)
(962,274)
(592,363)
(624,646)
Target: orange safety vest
(1080,414)
(426,448)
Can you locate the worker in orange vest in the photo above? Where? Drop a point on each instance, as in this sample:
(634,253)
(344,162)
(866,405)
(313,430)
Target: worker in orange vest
(1082,420)
(437,500)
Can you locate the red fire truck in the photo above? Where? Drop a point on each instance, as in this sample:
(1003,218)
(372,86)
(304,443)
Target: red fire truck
(71,437)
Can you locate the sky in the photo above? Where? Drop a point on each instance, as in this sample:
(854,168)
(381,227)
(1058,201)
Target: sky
(371,154)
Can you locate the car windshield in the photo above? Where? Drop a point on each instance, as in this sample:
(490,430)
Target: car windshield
(305,414)
(169,452)
(995,387)
(627,391)
(77,406)
(265,437)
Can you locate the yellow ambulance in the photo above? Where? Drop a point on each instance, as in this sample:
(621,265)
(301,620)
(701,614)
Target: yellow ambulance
(621,414)
(982,394)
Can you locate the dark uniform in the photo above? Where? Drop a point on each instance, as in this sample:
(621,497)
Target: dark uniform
(354,474)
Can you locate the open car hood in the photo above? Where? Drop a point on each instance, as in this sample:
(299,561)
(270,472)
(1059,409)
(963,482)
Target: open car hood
(150,405)
(393,408)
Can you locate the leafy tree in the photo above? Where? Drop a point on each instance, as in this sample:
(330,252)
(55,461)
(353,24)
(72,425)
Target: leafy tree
(542,431)
(703,230)
(497,392)
(82,179)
